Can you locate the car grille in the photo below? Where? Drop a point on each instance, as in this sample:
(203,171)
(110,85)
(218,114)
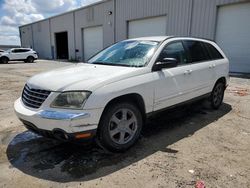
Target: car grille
(34,98)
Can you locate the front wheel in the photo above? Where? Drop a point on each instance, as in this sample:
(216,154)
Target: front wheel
(120,127)
(4,60)
(217,95)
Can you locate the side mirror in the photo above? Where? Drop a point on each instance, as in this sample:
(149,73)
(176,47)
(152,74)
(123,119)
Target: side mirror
(165,63)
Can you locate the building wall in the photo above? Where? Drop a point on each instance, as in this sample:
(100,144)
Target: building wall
(177,14)
(41,37)
(204,17)
(6,47)
(91,17)
(60,24)
(26,36)
(195,18)
(183,18)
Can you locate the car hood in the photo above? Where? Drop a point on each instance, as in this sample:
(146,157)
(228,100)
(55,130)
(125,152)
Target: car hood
(82,77)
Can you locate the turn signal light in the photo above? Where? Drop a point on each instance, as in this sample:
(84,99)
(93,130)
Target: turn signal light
(84,135)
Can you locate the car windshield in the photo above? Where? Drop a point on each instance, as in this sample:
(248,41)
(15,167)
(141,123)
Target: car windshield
(132,53)
(7,50)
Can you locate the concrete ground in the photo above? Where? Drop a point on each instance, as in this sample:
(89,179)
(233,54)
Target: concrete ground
(177,148)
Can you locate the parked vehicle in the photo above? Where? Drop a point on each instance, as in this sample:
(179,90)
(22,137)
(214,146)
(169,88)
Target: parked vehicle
(1,51)
(111,95)
(18,54)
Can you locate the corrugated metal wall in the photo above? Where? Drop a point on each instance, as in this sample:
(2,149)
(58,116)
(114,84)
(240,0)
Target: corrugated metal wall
(204,17)
(183,18)
(177,12)
(95,16)
(61,24)
(26,36)
(41,30)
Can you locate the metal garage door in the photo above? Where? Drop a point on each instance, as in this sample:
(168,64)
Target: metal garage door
(233,35)
(147,27)
(92,41)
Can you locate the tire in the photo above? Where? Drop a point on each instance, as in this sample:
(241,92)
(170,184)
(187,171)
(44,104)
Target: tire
(4,60)
(30,59)
(120,127)
(217,95)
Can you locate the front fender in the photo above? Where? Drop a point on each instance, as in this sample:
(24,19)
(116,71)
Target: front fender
(142,85)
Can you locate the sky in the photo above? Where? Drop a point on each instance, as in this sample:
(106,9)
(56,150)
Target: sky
(14,13)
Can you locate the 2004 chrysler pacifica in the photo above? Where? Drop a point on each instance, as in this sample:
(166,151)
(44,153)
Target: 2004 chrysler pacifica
(110,96)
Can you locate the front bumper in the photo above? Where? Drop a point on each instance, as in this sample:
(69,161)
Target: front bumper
(68,122)
(60,134)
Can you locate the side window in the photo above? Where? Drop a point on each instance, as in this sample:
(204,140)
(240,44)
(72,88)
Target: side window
(213,52)
(23,50)
(17,51)
(197,51)
(174,50)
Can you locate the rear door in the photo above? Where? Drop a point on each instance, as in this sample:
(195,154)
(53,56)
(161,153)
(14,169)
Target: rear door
(24,53)
(201,71)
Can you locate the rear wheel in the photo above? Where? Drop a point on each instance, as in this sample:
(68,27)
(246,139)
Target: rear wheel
(30,59)
(120,127)
(4,60)
(217,95)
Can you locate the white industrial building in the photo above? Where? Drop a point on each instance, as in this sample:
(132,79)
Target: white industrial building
(79,34)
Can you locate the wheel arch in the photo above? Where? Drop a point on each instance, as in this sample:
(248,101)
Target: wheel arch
(134,98)
(5,57)
(223,80)
(30,56)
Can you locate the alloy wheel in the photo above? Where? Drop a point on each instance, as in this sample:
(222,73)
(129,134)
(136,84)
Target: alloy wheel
(123,126)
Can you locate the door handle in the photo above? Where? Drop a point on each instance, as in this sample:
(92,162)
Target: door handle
(188,72)
(212,66)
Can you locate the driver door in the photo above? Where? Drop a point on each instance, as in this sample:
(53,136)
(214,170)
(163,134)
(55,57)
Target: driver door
(14,54)
(172,83)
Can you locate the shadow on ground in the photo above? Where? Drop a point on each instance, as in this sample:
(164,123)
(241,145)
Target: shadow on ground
(65,162)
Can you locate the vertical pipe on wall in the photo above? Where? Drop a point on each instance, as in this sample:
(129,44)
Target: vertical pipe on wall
(20,34)
(32,35)
(191,18)
(114,20)
(50,41)
(74,23)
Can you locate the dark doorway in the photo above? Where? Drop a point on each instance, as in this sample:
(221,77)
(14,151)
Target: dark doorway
(62,51)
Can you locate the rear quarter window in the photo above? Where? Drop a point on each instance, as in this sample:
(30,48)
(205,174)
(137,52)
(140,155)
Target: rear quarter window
(197,51)
(213,52)
(24,50)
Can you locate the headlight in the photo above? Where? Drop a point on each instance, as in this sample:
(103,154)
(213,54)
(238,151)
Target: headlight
(71,100)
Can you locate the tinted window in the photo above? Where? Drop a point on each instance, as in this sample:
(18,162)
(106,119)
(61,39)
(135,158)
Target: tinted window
(174,50)
(15,51)
(197,51)
(20,50)
(24,50)
(213,52)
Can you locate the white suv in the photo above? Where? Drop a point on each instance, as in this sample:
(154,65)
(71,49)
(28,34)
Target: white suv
(18,54)
(110,96)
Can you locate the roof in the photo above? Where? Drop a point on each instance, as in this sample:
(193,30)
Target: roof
(153,38)
(163,38)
